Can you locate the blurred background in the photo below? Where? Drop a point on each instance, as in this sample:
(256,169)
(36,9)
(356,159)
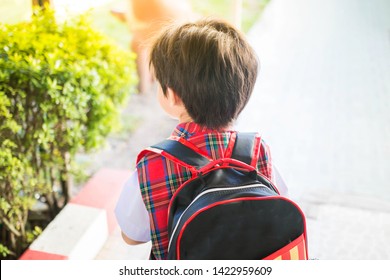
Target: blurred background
(107,14)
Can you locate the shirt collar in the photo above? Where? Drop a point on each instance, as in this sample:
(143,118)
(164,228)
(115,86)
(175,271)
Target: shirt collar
(189,129)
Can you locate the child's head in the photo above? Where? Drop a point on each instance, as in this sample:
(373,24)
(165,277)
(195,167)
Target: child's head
(210,66)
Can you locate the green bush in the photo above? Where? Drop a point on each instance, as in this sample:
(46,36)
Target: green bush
(61,89)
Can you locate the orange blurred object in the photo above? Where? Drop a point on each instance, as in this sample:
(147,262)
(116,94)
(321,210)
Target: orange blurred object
(145,19)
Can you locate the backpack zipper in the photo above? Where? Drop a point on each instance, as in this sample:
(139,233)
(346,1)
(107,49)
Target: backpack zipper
(206,192)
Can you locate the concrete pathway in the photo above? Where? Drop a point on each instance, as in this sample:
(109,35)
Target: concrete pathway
(322,102)
(323,96)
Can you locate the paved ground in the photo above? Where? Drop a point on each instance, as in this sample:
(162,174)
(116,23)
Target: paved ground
(323,95)
(322,102)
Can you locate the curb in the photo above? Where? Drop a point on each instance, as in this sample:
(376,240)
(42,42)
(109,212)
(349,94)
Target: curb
(81,229)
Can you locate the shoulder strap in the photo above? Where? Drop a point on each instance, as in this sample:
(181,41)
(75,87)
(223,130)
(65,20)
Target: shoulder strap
(181,153)
(247,147)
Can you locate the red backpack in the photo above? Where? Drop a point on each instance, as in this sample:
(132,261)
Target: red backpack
(228,210)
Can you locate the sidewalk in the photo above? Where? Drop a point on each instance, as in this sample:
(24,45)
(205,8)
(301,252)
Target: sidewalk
(324,96)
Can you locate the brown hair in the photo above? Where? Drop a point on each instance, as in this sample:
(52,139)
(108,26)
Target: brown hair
(211,67)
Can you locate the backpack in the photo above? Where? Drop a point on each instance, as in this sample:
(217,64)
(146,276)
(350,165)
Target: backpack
(228,210)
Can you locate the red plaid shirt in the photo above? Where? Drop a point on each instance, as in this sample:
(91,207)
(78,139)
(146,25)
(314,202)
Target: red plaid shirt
(159,177)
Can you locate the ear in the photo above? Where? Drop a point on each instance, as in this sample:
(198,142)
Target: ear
(173,98)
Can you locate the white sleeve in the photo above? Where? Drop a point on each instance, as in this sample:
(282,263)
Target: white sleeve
(131,213)
(279,181)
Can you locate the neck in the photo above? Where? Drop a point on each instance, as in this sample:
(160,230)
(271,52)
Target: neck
(184,117)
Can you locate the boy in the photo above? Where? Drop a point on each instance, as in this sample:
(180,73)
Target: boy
(206,72)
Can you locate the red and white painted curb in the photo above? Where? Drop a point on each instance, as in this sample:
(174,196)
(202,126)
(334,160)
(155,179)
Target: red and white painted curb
(80,230)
